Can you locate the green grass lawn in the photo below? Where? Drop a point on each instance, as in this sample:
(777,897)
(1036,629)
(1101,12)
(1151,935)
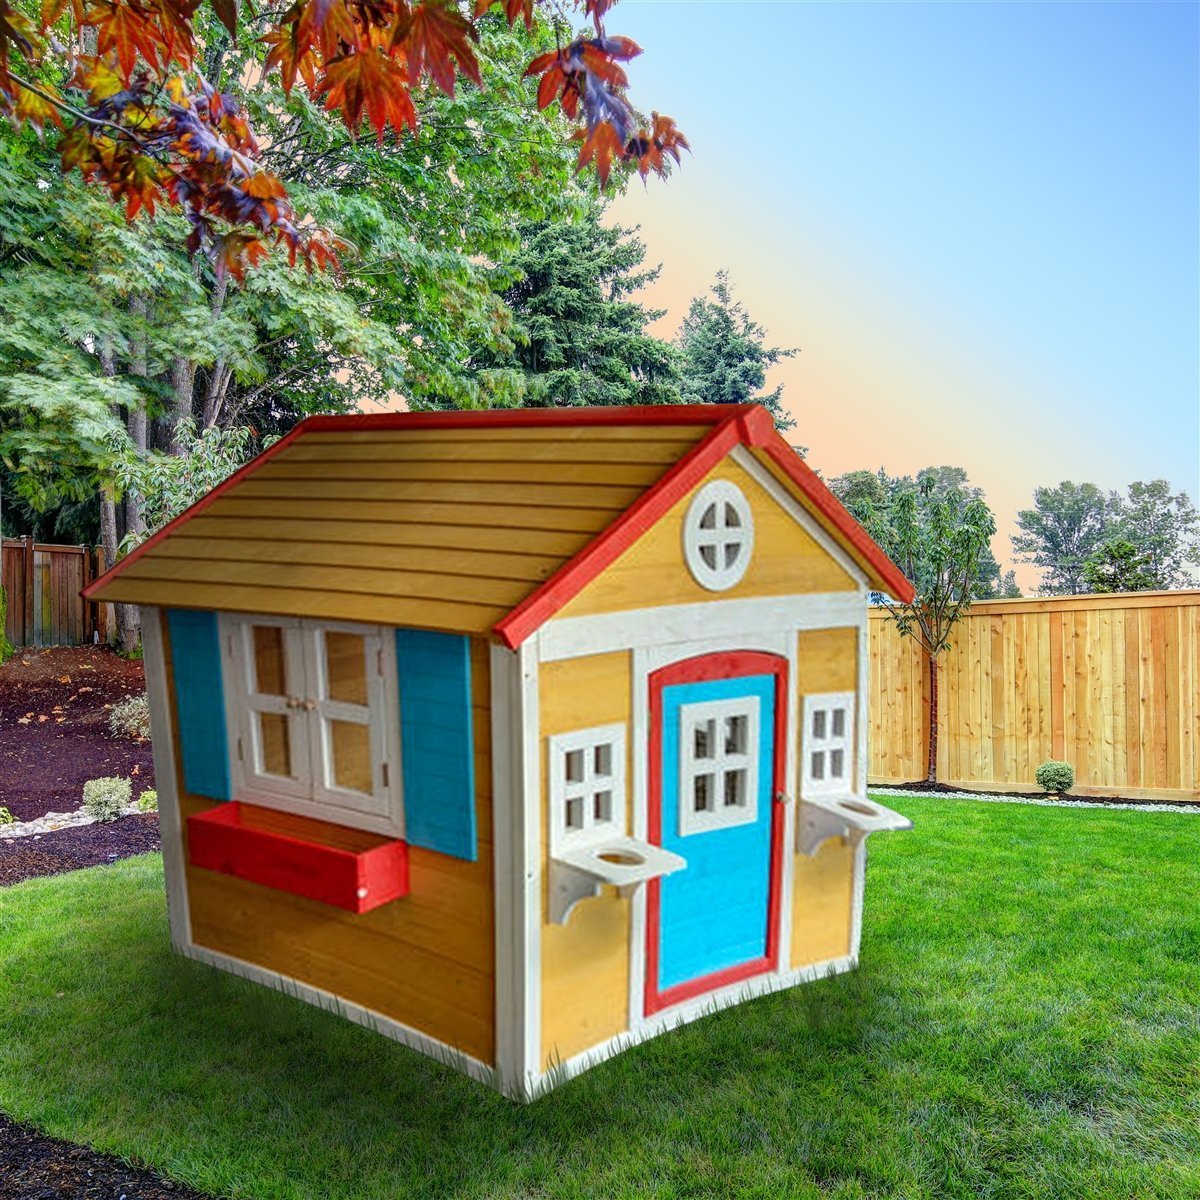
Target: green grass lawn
(1025,1023)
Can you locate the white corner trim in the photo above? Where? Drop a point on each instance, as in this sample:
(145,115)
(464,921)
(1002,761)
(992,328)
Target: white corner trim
(414,1039)
(743,620)
(683,1014)
(170,821)
(517,865)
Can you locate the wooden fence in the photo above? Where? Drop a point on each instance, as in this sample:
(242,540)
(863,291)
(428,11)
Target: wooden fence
(1110,684)
(43,583)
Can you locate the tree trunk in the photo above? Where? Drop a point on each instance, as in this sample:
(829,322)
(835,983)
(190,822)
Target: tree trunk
(183,376)
(931,776)
(137,420)
(125,615)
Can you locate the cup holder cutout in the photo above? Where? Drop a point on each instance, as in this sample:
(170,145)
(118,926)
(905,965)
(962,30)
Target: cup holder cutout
(864,810)
(621,858)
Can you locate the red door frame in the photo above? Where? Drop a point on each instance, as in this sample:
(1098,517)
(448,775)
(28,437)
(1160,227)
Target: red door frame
(702,669)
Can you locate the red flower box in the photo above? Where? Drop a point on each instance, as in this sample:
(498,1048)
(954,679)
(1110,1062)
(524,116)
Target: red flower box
(334,864)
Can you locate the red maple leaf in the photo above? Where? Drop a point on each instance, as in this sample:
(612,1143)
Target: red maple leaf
(368,79)
(435,37)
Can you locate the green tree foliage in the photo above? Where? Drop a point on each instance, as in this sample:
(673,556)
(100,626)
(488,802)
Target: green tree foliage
(577,335)
(936,529)
(1070,523)
(111,336)
(1064,526)
(1162,526)
(868,495)
(1117,565)
(725,355)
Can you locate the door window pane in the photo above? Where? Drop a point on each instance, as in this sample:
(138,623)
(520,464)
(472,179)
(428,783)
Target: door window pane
(837,764)
(818,723)
(839,722)
(346,667)
(274,748)
(702,798)
(270,671)
(350,746)
(818,765)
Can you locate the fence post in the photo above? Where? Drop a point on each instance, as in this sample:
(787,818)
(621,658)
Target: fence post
(27,639)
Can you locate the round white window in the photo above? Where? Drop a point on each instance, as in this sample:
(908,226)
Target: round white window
(718,535)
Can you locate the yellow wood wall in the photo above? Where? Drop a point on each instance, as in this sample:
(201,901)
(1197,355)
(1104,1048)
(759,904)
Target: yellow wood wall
(425,960)
(823,887)
(585,963)
(652,572)
(1110,684)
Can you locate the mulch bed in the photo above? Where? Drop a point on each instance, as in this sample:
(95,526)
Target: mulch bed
(36,1167)
(54,737)
(75,847)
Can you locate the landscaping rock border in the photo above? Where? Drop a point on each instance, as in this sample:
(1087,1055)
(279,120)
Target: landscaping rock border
(1042,801)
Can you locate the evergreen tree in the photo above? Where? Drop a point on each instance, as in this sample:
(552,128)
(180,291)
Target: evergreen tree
(1117,565)
(725,356)
(577,336)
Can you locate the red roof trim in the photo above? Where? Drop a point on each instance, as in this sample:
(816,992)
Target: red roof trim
(892,579)
(518,418)
(567,582)
(188,513)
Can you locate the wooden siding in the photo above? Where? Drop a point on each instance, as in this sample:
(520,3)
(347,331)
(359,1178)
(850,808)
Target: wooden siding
(1110,684)
(426,961)
(438,529)
(585,963)
(652,572)
(823,886)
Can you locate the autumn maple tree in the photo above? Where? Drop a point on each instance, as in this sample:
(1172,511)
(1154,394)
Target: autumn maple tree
(124,82)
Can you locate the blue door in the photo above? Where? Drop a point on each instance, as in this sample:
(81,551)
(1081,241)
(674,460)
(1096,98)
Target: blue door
(714,744)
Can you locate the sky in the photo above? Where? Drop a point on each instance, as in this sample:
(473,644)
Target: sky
(979,223)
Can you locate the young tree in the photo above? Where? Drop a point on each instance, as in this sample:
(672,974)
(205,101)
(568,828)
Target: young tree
(869,496)
(937,533)
(1162,527)
(577,335)
(725,355)
(1117,565)
(1064,526)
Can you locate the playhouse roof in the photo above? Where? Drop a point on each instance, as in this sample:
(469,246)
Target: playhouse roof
(472,522)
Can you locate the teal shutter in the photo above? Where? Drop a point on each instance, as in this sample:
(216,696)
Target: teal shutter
(199,702)
(437,741)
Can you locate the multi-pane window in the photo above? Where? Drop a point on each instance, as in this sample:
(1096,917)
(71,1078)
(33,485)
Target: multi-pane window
(309,704)
(827,744)
(718,535)
(587,785)
(718,764)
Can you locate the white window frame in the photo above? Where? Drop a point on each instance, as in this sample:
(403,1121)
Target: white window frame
(810,744)
(561,790)
(719,765)
(312,792)
(722,576)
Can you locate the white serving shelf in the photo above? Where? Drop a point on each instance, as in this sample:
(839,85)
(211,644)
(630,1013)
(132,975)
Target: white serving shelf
(621,862)
(819,818)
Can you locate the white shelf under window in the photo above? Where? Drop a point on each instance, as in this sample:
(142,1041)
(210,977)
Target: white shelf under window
(577,872)
(819,818)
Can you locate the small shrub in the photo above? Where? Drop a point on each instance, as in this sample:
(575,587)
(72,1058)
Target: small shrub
(1056,776)
(6,818)
(148,800)
(130,718)
(105,798)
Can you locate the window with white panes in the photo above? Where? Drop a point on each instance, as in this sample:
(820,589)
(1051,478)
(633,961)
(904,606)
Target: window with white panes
(718,535)
(827,744)
(587,786)
(718,764)
(313,719)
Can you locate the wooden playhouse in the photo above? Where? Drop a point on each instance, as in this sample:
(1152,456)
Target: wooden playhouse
(520,736)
